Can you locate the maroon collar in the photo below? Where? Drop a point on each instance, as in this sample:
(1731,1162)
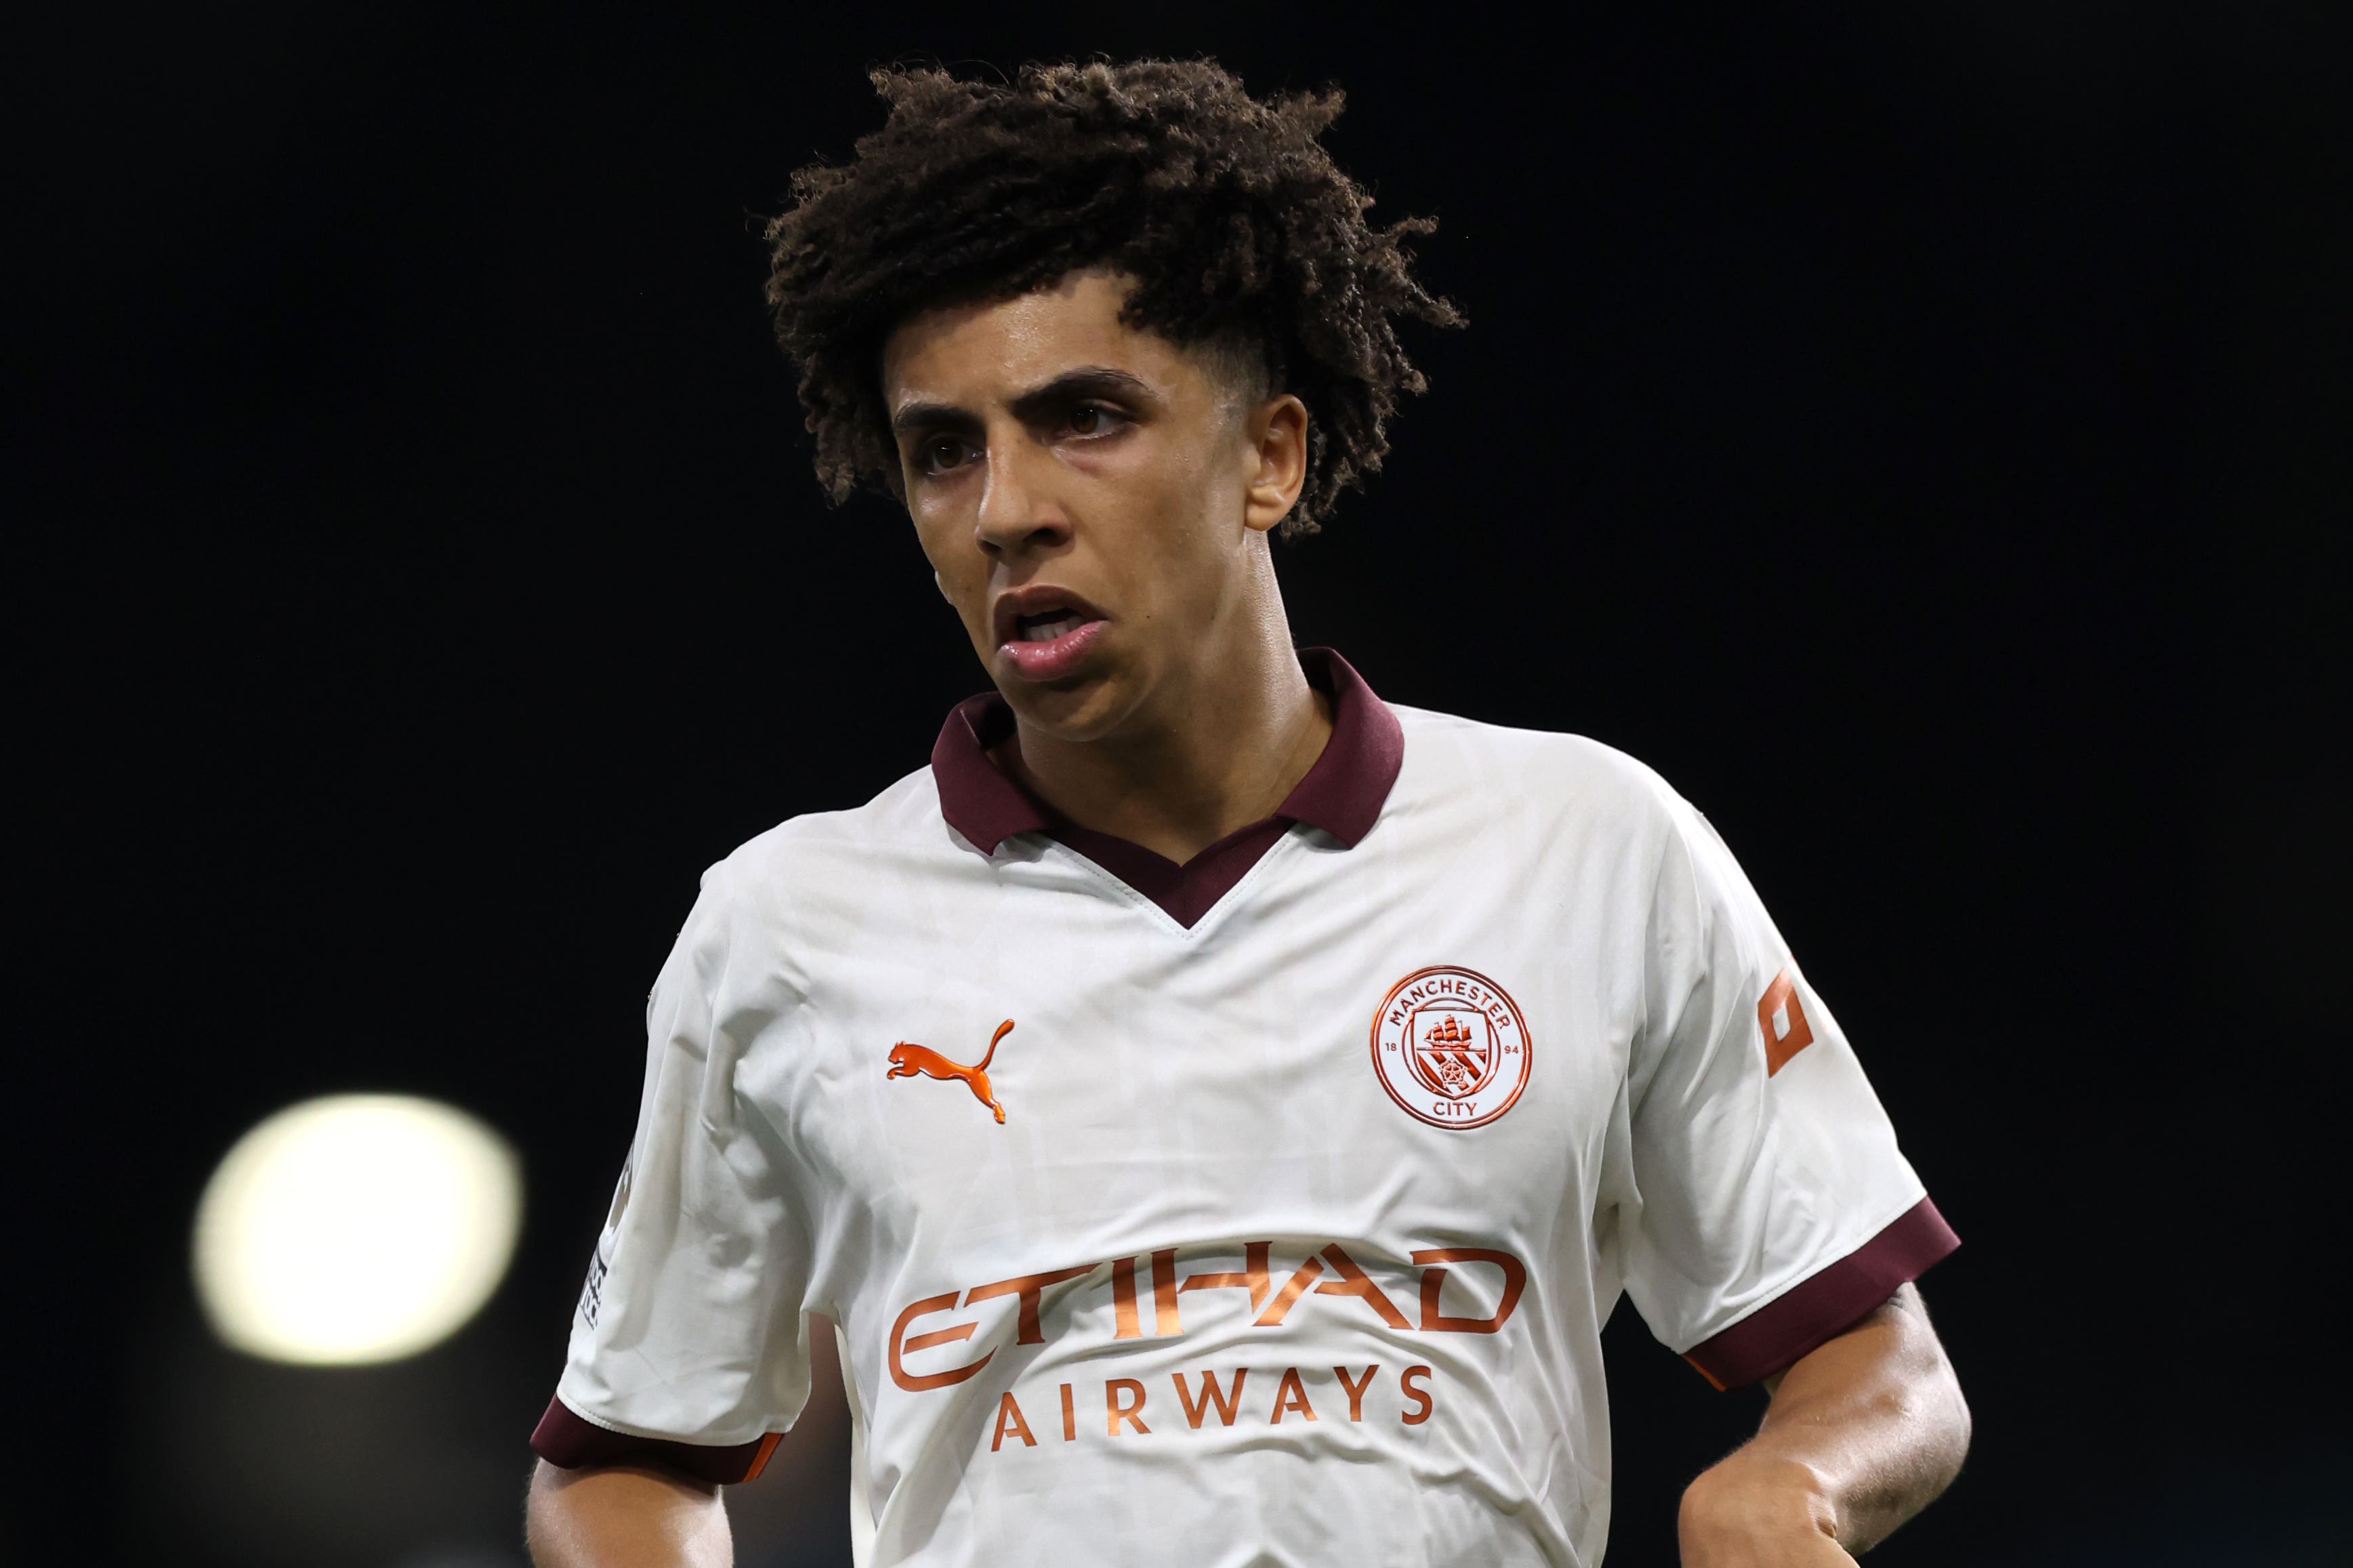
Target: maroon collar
(1342,793)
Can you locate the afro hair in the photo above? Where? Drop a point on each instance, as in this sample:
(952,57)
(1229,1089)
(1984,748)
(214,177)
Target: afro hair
(1238,231)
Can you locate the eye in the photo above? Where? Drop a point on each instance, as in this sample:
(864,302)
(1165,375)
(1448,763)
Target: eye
(938,454)
(1094,419)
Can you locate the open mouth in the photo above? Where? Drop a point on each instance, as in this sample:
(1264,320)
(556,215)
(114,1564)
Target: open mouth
(1045,634)
(1048,625)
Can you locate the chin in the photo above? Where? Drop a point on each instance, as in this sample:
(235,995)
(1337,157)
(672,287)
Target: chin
(1084,708)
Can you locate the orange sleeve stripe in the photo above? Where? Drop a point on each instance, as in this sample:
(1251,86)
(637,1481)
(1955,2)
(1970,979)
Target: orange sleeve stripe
(760,1460)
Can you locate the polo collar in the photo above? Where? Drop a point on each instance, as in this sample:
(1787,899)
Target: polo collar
(1342,793)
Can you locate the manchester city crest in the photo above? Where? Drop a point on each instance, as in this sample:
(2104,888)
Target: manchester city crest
(1450,1046)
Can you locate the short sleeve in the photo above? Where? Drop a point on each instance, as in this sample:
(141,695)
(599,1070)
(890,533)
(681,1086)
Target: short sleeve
(1773,1209)
(689,1347)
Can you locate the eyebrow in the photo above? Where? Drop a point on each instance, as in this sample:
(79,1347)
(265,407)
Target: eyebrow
(1070,386)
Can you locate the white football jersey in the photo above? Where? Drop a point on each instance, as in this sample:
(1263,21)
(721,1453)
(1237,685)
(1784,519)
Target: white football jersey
(1262,1210)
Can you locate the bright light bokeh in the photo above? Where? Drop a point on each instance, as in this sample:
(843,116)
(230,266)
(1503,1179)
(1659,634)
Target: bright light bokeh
(360,1228)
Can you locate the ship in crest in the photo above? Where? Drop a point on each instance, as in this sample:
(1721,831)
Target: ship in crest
(1450,1032)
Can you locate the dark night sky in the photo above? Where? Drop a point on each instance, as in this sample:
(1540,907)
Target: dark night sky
(1924,440)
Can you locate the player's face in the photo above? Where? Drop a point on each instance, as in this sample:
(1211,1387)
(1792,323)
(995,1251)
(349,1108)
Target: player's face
(1095,498)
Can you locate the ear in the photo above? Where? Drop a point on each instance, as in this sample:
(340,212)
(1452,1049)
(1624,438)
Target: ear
(1277,432)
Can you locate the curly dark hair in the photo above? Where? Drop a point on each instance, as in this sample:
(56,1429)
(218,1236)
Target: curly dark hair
(1241,232)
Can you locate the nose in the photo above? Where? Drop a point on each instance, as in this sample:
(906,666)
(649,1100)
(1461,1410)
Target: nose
(1018,513)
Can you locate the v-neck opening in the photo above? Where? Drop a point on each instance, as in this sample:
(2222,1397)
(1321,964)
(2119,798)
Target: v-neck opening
(1185,892)
(1341,794)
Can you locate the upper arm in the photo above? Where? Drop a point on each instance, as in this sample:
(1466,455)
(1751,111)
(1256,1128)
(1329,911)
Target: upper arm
(1894,1348)
(691,1329)
(1773,1207)
(1903,1313)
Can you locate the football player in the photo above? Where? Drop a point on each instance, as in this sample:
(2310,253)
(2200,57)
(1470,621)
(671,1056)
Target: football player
(1215,1109)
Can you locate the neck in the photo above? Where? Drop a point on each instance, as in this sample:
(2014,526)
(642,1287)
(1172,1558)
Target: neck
(1224,739)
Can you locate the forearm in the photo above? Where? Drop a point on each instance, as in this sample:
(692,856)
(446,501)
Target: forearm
(609,1517)
(1862,1434)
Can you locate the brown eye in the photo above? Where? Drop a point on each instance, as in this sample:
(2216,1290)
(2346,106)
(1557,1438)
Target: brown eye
(1086,419)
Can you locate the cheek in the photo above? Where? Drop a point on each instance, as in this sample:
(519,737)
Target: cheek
(960,568)
(1171,508)
(943,530)
(1193,528)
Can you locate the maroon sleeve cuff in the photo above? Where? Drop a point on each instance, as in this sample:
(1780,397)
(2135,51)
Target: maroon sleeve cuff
(569,1443)
(1773,1336)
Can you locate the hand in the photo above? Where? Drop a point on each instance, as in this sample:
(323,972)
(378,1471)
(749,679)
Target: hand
(1753,1513)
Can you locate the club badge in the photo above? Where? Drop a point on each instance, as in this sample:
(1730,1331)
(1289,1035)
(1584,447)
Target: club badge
(1450,1046)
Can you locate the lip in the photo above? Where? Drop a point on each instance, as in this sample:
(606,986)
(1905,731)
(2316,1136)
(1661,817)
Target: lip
(1044,661)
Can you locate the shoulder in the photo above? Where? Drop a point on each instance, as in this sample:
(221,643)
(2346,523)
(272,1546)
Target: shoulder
(825,864)
(1549,771)
(905,815)
(898,832)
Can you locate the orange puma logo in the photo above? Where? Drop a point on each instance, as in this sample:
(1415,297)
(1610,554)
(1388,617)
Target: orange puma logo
(907,1059)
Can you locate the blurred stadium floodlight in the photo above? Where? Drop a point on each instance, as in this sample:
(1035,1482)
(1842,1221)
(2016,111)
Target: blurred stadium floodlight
(359,1228)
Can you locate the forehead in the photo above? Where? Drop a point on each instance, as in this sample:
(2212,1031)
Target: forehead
(993,351)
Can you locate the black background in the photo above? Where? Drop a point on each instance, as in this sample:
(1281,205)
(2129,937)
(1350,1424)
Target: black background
(1924,439)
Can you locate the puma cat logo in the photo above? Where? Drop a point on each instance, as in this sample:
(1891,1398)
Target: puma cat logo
(907,1059)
